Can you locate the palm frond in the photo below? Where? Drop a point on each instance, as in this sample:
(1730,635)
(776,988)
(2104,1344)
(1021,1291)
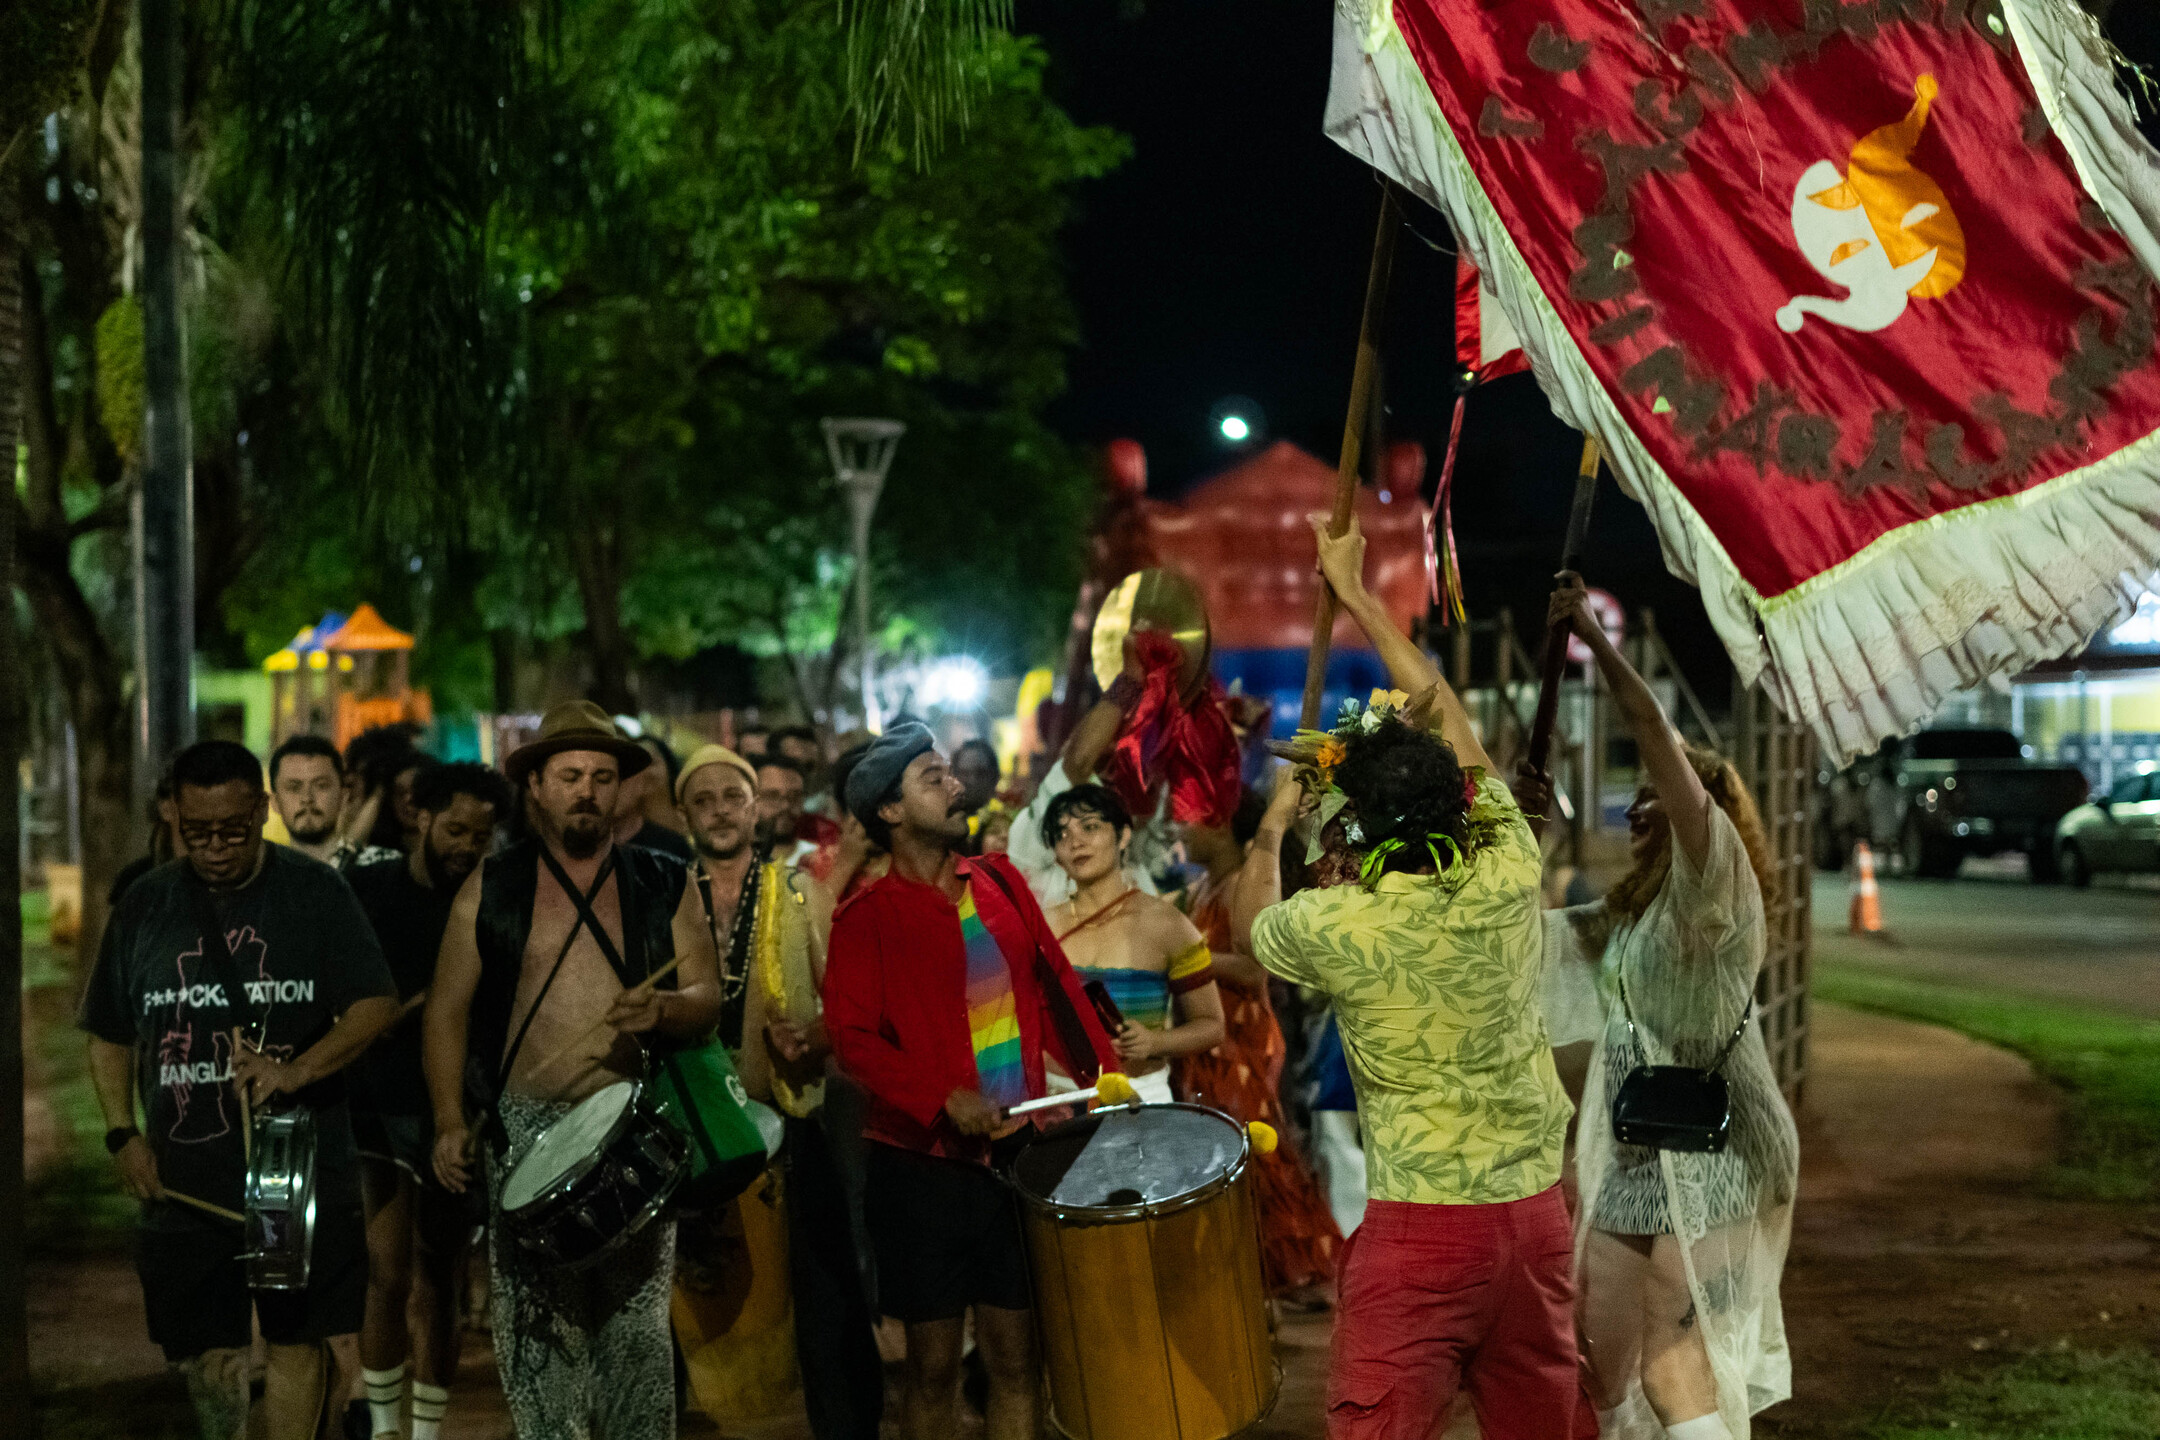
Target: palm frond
(914,67)
(381,132)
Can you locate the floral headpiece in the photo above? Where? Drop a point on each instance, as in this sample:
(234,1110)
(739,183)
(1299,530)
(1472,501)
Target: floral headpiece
(1317,754)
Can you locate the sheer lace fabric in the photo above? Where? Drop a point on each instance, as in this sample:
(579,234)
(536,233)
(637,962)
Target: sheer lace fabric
(1690,964)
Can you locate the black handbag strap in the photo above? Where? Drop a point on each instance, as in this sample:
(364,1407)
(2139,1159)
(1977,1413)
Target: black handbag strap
(1072,1030)
(218,956)
(577,923)
(1746,1014)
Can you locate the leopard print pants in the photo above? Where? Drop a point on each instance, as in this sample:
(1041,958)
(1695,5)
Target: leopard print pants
(583,1356)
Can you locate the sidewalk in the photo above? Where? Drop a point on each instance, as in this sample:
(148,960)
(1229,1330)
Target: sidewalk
(1915,1252)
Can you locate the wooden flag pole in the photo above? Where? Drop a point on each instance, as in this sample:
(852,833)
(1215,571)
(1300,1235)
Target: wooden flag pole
(1346,470)
(1556,637)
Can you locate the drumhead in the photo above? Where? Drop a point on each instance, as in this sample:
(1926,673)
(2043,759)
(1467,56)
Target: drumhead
(566,1142)
(770,1127)
(1124,1158)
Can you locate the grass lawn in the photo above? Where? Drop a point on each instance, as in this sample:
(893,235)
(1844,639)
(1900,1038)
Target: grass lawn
(2109,1065)
(2066,1395)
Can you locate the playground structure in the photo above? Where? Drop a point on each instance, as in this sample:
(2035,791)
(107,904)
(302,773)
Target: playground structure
(342,675)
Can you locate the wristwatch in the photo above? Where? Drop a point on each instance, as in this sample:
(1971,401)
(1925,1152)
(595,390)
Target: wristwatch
(116,1139)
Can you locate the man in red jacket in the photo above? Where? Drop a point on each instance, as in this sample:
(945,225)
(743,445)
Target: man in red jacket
(943,989)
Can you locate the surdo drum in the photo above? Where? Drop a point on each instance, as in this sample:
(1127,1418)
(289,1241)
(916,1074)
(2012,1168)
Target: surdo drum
(280,1200)
(1146,1256)
(594,1178)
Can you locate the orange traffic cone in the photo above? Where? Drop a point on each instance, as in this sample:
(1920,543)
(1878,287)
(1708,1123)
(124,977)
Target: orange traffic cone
(1866,914)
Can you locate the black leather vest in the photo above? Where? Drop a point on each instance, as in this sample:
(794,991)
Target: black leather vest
(648,887)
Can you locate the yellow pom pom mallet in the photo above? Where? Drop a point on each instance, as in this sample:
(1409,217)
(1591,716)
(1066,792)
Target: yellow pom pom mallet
(1112,1089)
(1263,1137)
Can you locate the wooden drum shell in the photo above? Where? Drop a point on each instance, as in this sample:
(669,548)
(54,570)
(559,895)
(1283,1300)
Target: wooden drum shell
(1155,1326)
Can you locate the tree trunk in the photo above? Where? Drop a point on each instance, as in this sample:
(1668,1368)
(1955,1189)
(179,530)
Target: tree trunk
(503,658)
(92,674)
(34,80)
(596,555)
(15,1408)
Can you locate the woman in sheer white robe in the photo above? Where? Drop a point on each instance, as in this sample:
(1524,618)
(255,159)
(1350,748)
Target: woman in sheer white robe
(1678,1256)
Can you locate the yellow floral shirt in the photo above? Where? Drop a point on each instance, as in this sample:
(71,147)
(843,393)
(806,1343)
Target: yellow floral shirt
(1436,985)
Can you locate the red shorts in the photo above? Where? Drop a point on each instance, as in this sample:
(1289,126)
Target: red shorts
(1440,1298)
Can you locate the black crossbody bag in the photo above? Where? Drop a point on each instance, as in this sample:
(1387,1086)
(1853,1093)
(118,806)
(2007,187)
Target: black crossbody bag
(1675,1107)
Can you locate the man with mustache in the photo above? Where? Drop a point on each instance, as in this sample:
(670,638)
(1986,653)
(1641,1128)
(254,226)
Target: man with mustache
(772,962)
(238,978)
(944,990)
(547,1003)
(307,785)
(416,1228)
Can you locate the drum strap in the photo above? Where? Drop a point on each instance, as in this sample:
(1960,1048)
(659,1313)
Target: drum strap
(605,941)
(584,914)
(218,956)
(1072,1030)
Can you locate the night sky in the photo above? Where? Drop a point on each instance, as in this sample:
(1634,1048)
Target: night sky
(1228,258)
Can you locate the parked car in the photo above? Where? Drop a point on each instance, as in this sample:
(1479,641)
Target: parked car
(1933,798)
(2117,833)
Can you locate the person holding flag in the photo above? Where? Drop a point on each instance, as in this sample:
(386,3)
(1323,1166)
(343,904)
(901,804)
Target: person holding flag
(1459,1276)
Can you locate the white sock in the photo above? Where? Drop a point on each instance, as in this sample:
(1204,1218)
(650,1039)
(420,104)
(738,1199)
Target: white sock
(385,1389)
(1607,1420)
(428,1404)
(1702,1427)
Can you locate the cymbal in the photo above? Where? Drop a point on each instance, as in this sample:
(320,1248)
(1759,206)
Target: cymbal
(1153,599)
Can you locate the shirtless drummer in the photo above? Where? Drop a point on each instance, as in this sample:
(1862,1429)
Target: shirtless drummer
(587,1352)
(1141,948)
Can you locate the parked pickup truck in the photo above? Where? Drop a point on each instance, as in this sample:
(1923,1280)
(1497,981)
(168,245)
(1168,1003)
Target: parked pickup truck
(1931,799)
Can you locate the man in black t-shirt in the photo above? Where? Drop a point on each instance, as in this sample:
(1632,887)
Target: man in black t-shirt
(301,993)
(416,1229)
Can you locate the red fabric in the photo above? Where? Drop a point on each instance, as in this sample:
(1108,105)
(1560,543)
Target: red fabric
(1470,332)
(818,829)
(1243,1075)
(1685,264)
(896,1001)
(1435,1299)
(1162,741)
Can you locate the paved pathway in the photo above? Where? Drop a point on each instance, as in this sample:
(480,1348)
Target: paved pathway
(2099,946)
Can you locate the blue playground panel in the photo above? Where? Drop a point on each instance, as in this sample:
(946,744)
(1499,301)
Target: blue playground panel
(1280,676)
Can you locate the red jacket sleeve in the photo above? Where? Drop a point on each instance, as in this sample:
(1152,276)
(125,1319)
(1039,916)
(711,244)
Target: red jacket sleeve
(862,1031)
(1106,1056)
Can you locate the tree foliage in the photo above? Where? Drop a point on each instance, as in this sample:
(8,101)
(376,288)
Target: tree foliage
(685,256)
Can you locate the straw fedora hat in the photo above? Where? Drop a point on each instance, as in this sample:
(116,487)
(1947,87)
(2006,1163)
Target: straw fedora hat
(576,725)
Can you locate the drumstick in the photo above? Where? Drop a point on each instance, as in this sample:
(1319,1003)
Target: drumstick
(206,1207)
(247,1124)
(562,1052)
(1111,1089)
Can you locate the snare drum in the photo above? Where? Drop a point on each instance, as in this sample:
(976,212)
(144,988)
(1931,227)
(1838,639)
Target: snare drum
(1146,1256)
(280,1200)
(594,1178)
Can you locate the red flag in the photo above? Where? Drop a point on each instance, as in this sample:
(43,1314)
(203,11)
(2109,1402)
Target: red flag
(1857,294)
(1485,342)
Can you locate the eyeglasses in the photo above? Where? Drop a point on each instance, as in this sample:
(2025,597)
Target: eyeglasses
(213,837)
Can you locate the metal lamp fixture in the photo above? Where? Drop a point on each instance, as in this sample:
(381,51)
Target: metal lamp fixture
(862,451)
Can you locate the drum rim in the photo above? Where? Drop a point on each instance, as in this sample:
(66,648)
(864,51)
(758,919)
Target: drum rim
(568,1180)
(1080,1215)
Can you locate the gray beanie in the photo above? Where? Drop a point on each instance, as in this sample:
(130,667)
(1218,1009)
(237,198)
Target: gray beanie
(881,766)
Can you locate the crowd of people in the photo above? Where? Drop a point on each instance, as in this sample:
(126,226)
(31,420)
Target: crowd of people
(895,947)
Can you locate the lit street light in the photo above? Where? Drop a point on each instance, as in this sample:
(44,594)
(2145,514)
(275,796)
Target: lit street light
(1237,420)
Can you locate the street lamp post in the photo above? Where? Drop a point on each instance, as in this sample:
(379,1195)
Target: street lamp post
(862,451)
